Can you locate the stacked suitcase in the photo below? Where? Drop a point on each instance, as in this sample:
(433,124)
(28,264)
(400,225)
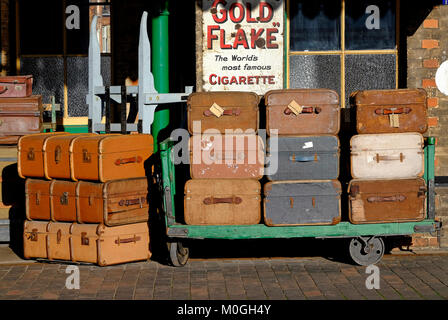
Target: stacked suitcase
(387,157)
(226,159)
(303,125)
(86,196)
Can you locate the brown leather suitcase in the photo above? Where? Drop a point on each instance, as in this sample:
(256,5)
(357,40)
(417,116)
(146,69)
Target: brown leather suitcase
(222,202)
(96,243)
(223,110)
(302,112)
(16,86)
(114,202)
(63,201)
(35,239)
(391,111)
(110,157)
(58,241)
(383,201)
(37,195)
(19,117)
(226,157)
(57,155)
(30,155)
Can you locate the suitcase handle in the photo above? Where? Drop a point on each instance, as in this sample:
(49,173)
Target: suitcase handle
(295,158)
(231,200)
(57,154)
(131,202)
(379,158)
(396,198)
(134,239)
(119,162)
(3,89)
(385,112)
(315,110)
(228,112)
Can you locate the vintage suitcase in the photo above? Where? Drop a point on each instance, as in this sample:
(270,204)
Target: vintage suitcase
(110,156)
(302,112)
(383,201)
(30,155)
(387,156)
(96,243)
(222,202)
(16,86)
(226,157)
(58,241)
(304,158)
(63,201)
(37,194)
(19,117)
(114,202)
(35,239)
(294,203)
(390,111)
(57,155)
(223,110)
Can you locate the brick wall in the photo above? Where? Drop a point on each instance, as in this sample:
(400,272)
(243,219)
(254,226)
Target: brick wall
(427,49)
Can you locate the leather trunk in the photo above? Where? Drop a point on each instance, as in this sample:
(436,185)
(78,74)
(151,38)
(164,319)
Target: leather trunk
(35,239)
(387,156)
(16,86)
(385,201)
(63,201)
(102,245)
(30,155)
(57,155)
(37,195)
(305,157)
(110,157)
(58,241)
(113,203)
(226,157)
(19,117)
(295,203)
(234,111)
(222,202)
(302,112)
(391,111)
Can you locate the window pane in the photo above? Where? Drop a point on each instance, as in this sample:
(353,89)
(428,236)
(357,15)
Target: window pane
(370,24)
(315,25)
(41,26)
(369,72)
(103,26)
(315,71)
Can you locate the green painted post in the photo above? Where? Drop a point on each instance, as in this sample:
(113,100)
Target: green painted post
(160,67)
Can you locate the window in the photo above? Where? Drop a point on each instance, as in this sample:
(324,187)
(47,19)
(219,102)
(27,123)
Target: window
(344,45)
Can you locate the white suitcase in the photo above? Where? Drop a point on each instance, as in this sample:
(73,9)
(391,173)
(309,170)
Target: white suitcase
(387,156)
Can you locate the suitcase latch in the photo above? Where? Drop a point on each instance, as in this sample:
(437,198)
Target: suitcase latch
(30,155)
(86,157)
(64,199)
(58,236)
(57,154)
(33,235)
(84,239)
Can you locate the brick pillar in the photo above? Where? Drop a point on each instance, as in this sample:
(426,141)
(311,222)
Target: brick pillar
(427,49)
(4,36)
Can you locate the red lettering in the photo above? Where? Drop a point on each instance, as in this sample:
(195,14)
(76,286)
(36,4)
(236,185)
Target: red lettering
(211,80)
(267,18)
(254,35)
(232,12)
(242,80)
(223,39)
(249,80)
(271,79)
(211,36)
(222,11)
(225,80)
(249,14)
(240,40)
(233,80)
(270,38)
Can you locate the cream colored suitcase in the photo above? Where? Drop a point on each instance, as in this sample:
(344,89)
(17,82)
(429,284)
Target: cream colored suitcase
(35,239)
(387,156)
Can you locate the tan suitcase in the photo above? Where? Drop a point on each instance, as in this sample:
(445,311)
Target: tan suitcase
(63,201)
(35,239)
(222,202)
(96,243)
(226,157)
(110,157)
(58,241)
(30,154)
(223,111)
(37,199)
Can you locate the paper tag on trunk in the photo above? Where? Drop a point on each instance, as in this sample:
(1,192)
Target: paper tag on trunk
(295,107)
(216,110)
(394,120)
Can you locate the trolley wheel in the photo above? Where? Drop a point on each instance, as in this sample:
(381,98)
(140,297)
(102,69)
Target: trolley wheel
(179,254)
(366,250)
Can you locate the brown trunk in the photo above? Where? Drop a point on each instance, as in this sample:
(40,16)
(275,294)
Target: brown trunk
(16,86)
(37,193)
(63,201)
(35,239)
(58,241)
